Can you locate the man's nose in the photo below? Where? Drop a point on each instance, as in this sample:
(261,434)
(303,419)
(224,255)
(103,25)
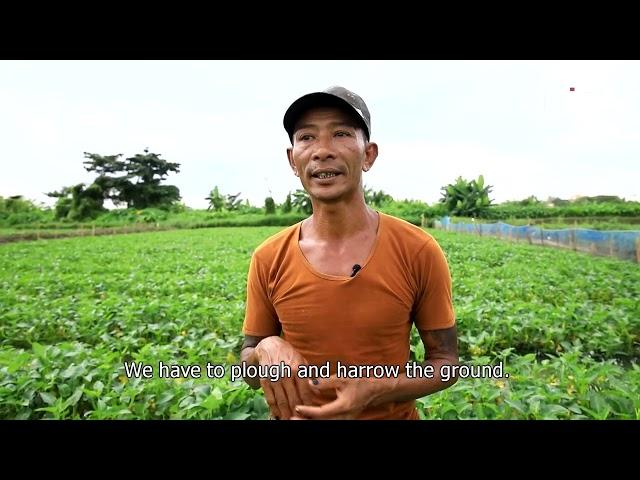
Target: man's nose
(324,149)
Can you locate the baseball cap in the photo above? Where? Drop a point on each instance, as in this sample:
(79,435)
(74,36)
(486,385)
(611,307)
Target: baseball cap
(331,97)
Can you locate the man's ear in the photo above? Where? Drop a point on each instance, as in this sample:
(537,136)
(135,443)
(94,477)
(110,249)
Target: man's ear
(291,163)
(371,153)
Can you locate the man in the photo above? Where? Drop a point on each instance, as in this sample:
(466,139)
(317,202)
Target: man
(345,285)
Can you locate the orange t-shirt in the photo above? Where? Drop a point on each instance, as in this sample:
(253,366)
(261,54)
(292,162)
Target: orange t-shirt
(360,320)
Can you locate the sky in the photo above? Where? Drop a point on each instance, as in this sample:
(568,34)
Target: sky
(516,122)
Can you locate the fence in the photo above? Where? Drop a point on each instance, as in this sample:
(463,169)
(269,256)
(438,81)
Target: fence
(90,230)
(620,244)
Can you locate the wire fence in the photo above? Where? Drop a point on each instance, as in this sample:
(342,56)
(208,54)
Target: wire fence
(620,244)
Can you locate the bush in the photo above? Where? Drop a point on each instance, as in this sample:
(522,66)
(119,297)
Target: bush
(286,206)
(502,212)
(17,210)
(467,198)
(269,206)
(413,210)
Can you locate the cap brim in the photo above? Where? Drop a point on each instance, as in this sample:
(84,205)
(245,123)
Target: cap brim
(314,100)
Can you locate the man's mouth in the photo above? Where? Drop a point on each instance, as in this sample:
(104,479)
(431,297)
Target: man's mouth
(324,175)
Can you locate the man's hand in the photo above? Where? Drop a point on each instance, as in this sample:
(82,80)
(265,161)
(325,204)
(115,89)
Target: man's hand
(353,395)
(284,394)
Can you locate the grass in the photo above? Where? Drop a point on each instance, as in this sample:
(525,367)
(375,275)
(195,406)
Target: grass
(565,325)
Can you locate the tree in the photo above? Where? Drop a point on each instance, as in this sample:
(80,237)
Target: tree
(379,198)
(216,200)
(286,206)
(302,202)
(136,180)
(557,202)
(219,202)
(79,203)
(233,202)
(368,195)
(466,198)
(269,206)
(600,199)
(530,200)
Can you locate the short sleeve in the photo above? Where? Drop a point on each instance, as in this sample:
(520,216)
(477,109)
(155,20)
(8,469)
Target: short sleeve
(260,318)
(433,306)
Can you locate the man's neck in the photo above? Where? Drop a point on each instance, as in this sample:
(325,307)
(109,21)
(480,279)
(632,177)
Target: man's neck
(340,221)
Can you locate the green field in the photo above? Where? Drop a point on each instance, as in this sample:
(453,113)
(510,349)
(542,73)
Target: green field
(566,326)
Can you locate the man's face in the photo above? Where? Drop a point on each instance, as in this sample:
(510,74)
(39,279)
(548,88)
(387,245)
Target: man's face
(329,154)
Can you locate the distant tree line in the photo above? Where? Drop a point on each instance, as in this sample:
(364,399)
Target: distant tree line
(133,181)
(137,183)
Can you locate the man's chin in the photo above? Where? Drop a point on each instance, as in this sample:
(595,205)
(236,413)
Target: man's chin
(328,200)
(326,195)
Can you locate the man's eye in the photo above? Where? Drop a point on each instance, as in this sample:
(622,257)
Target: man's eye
(343,134)
(304,137)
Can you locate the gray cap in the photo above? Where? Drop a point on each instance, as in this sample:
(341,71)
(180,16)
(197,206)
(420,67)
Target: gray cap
(331,97)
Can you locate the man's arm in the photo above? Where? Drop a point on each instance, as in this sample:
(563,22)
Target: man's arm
(441,347)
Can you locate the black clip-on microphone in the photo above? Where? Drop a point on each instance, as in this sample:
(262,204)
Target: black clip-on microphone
(356,269)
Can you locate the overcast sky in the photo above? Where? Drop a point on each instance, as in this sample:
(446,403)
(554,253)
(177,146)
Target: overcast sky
(516,122)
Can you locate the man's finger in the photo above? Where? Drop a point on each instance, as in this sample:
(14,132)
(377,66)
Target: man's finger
(333,409)
(324,384)
(289,386)
(269,396)
(281,400)
(305,392)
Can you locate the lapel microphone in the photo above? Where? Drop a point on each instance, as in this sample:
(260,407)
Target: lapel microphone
(356,269)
